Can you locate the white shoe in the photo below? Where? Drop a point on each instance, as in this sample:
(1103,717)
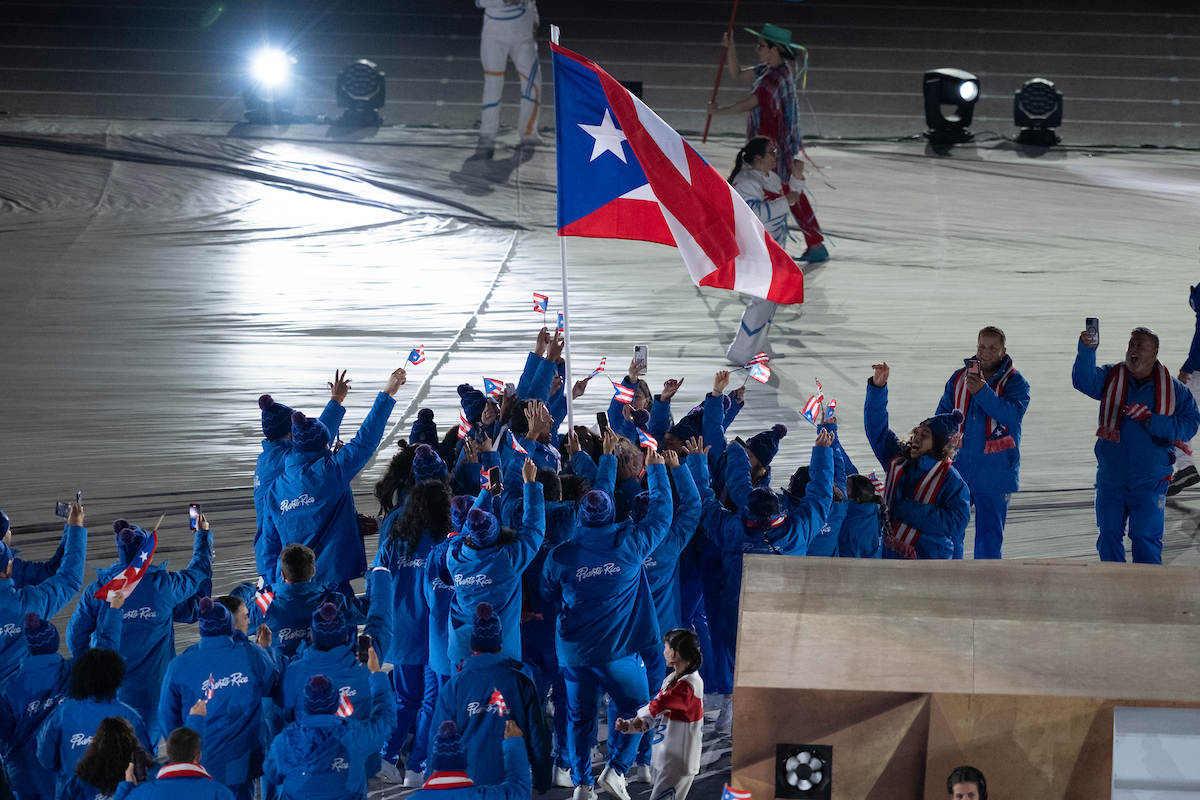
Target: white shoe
(644,774)
(532,140)
(724,724)
(584,793)
(390,773)
(598,754)
(562,778)
(613,782)
(413,780)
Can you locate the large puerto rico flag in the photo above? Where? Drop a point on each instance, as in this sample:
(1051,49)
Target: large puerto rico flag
(623,173)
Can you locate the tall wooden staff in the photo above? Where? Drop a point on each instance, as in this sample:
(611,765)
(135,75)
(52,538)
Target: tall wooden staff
(720,69)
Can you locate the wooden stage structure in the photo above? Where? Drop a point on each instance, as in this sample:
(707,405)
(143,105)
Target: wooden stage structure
(909,669)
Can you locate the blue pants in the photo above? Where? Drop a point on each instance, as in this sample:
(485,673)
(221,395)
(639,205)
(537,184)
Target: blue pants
(1143,509)
(624,680)
(691,610)
(420,747)
(991,512)
(408,682)
(724,638)
(656,670)
(548,679)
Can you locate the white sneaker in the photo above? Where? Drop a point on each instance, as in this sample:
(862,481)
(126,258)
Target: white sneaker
(413,780)
(644,774)
(584,793)
(562,778)
(613,782)
(724,724)
(598,754)
(390,773)
(532,140)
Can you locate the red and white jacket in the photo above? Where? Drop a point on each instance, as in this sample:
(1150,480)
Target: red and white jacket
(678,716)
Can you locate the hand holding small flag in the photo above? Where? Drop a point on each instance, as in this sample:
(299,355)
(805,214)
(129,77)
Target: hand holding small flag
(417,355)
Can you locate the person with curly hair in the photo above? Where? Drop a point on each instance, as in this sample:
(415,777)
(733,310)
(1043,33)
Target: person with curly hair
(928,500)
(112,751)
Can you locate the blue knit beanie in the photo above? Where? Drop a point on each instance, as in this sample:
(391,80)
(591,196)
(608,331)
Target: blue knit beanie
(329,627)
(40,635)
(215,619)
(319,696)
(130,539)
(276,418)
(943,426)
(472,401)
(428,465)
(691,425)
(309,434)
(460,506)
(447,753)
(483,528)
(487,632)
(766,444)
(5,556)
(641,505)
(597,509)
(423,430)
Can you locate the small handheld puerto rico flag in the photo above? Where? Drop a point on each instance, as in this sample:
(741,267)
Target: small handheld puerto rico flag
(560,323)
(417,355)
(517,445)
(345,708)
(813,405)
(600,368)
(760,358)
(730,793)
(646,440)
(263,599)
(622,393)
(484,479)
(128,579)
(497,704)
(209,687)
(540,303)
(832,407)
(878,484)
(760,372)
(464,427)
(493,387)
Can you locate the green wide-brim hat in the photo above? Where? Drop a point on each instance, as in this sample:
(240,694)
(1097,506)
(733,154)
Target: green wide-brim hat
(776,34)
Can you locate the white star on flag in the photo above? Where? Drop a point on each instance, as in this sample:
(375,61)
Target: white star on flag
(608,138)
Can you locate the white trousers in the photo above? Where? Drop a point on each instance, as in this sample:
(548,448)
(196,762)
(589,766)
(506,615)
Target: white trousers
(494,52)
(751,336)
(1182,459)
(670,787)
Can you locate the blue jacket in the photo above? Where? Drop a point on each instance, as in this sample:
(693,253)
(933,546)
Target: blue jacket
(46,599)
(516,784)
(607,610)
(1192,363)
(324,756)
(270,466)
(493,575)
(340,664)
(825,543)
(30,573)
(861,536)
(410,610)
(168,788)
(999,472)
(727,529)
(465,699)
(1143,457)
(241,674)
(65,735)
(312,503)
(76,788)
(148,632)
(662,565)
(439,594)
(942,525)
(28,698)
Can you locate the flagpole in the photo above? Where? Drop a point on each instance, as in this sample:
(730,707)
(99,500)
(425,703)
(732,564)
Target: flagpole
(720,69)
(568,387)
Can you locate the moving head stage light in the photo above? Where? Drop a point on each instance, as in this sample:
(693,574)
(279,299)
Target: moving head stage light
(361,90)
(950,87)
(270,92)
(1037,111)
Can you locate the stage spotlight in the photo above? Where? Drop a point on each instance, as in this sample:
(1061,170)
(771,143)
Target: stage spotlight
(950,87)
(1037,111)
(270,90)
(361,90)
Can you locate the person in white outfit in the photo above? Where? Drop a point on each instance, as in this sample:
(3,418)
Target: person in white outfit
(509,27)
(676,716)
(755,179)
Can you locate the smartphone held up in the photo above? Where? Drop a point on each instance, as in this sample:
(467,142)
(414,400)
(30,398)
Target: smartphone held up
(63,507)
(194,515)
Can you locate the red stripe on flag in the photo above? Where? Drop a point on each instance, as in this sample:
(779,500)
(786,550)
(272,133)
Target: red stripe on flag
(616,220)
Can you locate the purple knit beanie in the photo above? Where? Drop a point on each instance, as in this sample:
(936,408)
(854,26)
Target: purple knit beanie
(487,632)
(309,434)
(766,444)
(215,619)
(460,506)
(428,465)
(329,627)
(40,635)
(597,510)
(424,431)
(276,418)
(319,696)
(130,539)
(482,528)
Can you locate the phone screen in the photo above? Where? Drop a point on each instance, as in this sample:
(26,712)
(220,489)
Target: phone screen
(973,366)
(193,515)
(364,648)
(602,421)
(62,509)
(494,480)
(639,354)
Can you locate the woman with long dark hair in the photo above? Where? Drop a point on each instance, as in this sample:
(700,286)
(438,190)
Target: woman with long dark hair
(406,537)
(113,748)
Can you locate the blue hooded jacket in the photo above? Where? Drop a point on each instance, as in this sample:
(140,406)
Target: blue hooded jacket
(999,472)
(270,465)
(290,609)
(1143,457)
(324,756)
(662,565)
(240,674)
(65,735)
(45,599)
(410,610)
(942,525)
(439,594)
(148,631)
(27,700)
(861,536)
(31,573)
(312,503)
(465,699)
(607,611)
(825,543)
(516,784)
(174,788)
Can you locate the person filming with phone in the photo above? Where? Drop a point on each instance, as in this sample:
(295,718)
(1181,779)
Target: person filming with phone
(1144,415)
(992,397)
